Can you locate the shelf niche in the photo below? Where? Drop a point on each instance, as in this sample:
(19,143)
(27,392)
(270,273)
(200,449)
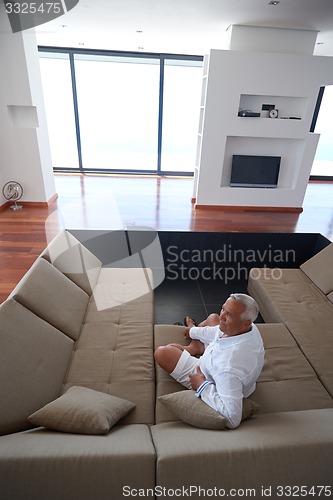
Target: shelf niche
(23,116)
(290,151)
(287,106)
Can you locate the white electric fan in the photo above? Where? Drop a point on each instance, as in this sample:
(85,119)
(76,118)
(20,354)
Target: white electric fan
(13,191)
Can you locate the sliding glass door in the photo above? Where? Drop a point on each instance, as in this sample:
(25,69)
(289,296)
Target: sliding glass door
(119,112)
(59,108)
(323,162)
(181,107)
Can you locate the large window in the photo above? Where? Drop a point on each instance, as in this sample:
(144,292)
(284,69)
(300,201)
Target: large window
(58,98)
(118,111)
(133,112)
(323,162)
(181,107)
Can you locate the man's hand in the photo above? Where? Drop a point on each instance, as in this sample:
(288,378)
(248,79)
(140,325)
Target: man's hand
(197,378)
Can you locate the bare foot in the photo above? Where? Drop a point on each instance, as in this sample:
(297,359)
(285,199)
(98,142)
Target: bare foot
(195,348)
(190,321)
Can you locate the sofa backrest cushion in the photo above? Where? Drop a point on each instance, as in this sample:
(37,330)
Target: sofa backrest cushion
(34,358)
(320,269)
(74,260)
(117,359)
(53,297)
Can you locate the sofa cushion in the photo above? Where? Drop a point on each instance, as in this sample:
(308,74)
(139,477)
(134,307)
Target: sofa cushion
(122,296)
(34,358)
(53,297)
(82,411)
(311,330)
(129,312)
(125,373)
(285,363)
(74,260)
(126,284)
(292,448)
(194,411)
(321,358)
(315,340)
(327,381)
(275,335)
(287,294)
(117,359)
(41,464)
(291,395)
(165,384)
(287,382)
(330,297)
(320,269)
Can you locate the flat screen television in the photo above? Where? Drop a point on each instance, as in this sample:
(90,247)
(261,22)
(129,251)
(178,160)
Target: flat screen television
(255,171)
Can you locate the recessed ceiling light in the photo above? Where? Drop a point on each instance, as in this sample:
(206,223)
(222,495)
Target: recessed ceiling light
(274,2)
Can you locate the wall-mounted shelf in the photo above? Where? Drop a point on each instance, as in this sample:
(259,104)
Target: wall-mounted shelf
(288,107)
(23,116)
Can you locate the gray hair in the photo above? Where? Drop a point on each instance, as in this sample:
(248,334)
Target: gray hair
(251,307)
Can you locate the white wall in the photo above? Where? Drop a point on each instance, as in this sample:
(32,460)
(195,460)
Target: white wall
(253,38)
(24,145)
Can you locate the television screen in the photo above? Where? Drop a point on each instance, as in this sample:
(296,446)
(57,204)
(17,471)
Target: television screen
(255,171)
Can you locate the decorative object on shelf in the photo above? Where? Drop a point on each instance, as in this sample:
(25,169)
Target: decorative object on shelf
(273,113)
(248,113)
(267,107)
(13,191)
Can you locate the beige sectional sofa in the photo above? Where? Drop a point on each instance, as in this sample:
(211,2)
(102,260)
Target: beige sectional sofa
(302,300)
(80,410)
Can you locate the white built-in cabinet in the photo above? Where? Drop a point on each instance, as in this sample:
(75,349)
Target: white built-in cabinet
(236,80)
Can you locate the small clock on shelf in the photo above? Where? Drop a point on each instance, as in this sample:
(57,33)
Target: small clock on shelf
(273,113)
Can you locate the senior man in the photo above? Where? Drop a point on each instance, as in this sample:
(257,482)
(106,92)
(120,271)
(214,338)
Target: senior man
(231,357)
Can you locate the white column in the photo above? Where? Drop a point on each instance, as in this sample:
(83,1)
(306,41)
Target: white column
(24,144)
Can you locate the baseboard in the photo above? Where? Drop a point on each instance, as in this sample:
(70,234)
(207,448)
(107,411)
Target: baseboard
(30,204)
(231,208)
(4,206)
(53,199)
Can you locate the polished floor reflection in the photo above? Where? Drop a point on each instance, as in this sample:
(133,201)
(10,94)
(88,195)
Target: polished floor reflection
(114,202)
(165,204)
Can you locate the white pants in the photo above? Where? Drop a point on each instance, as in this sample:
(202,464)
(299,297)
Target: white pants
(186,365)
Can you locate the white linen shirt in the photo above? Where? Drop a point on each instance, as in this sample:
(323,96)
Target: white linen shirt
(232,365)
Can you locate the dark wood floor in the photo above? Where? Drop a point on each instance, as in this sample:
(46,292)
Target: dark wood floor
(115,202)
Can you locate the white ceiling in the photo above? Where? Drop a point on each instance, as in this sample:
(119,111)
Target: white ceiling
(180,26)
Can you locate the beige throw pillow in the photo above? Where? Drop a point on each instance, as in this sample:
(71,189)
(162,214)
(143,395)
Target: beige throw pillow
(82,411)
(195,412)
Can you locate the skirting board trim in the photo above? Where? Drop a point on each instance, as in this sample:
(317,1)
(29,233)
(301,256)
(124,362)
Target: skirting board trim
(231,208)
(31,204)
